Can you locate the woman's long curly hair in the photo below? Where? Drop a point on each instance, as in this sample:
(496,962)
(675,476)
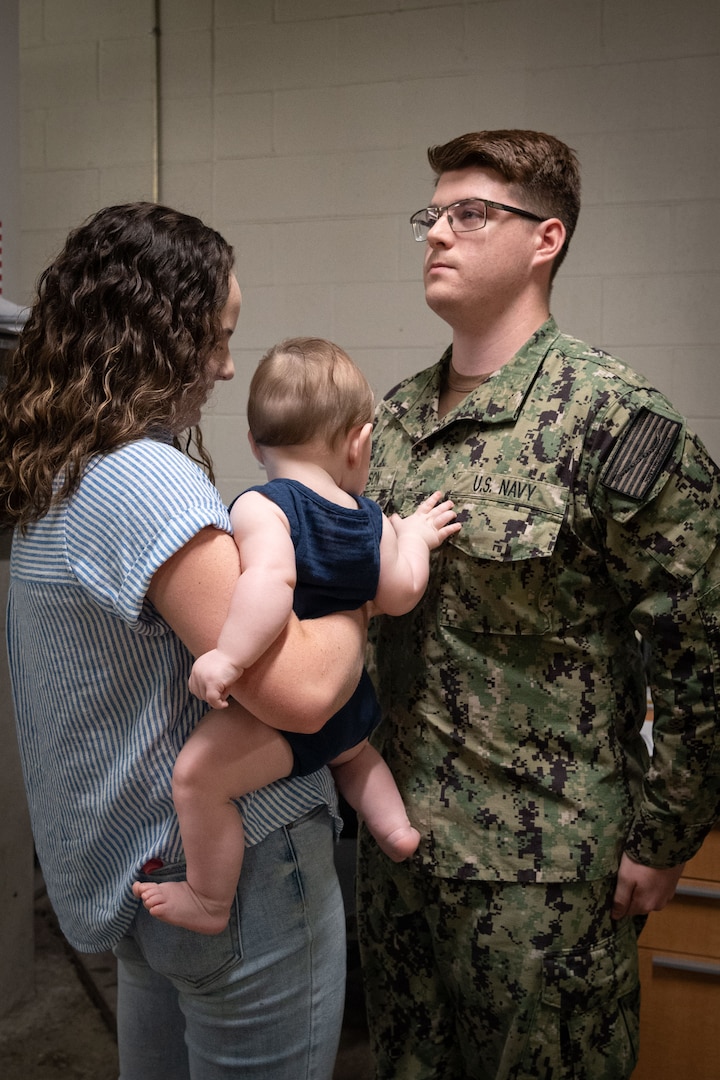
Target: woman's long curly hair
(116,348)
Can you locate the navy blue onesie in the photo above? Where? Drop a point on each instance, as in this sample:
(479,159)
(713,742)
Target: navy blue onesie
(337,554)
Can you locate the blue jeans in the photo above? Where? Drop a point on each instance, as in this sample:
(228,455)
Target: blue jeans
(264,999)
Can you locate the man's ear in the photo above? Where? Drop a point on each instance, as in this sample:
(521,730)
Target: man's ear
(257,452)
(550,236)
(358,439)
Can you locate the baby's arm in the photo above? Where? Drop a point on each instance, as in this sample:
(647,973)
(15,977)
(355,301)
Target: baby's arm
(261,602)
(405,548)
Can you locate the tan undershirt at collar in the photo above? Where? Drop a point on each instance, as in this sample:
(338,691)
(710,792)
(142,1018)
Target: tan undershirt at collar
(456,387)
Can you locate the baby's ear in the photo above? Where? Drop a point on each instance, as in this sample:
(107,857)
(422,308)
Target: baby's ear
(359,438)
(257,452)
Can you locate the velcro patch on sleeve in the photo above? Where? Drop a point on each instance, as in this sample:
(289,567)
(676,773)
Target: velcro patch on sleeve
(640,454)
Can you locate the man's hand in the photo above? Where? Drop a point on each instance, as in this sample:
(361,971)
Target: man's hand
(642,889)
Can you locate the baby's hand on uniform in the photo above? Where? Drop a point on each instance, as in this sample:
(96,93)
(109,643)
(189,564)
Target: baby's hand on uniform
(434,520)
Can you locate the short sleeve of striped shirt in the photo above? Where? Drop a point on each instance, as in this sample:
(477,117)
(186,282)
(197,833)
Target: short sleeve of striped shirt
(123,525)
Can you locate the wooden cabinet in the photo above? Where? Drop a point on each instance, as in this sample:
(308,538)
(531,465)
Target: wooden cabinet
(680,977)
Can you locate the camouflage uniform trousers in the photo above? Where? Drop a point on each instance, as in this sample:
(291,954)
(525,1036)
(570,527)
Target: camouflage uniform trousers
(476,980)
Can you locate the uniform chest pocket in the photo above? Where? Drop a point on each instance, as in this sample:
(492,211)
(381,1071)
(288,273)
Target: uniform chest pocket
(496,575)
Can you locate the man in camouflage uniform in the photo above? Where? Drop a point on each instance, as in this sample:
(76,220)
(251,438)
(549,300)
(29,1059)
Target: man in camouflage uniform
(514,694)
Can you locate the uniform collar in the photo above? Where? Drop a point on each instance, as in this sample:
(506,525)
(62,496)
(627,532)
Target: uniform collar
(414,403)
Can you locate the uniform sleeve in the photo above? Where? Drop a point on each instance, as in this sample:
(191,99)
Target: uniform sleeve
(657,508)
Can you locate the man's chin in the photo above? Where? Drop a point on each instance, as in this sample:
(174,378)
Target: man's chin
(441,305)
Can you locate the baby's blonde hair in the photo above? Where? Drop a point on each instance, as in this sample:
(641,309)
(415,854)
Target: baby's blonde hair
(306,389)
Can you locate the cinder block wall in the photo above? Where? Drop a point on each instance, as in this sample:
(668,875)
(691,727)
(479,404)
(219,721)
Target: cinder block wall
(299,129)
(16,847)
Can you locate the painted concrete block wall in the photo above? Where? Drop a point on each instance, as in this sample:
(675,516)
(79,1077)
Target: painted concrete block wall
(299,129)
(16,846)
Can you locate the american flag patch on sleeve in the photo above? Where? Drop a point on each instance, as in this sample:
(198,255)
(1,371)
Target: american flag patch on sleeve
(640,454)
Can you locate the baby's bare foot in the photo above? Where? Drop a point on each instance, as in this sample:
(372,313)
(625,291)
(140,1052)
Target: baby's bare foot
(177,903)
(400,843)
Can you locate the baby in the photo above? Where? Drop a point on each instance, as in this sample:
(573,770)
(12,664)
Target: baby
(309,542)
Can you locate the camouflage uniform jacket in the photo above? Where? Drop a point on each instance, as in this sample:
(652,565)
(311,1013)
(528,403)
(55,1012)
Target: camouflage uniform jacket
(514,694)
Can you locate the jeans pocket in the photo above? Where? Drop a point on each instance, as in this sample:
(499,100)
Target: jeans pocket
(190,960)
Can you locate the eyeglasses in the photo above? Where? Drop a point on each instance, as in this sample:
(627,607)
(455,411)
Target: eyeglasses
(467,215)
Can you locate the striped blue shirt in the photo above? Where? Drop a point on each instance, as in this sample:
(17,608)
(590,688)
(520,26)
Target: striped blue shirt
(100,686)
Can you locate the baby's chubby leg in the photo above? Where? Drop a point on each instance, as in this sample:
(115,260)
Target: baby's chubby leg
(229,754)
(368,785)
